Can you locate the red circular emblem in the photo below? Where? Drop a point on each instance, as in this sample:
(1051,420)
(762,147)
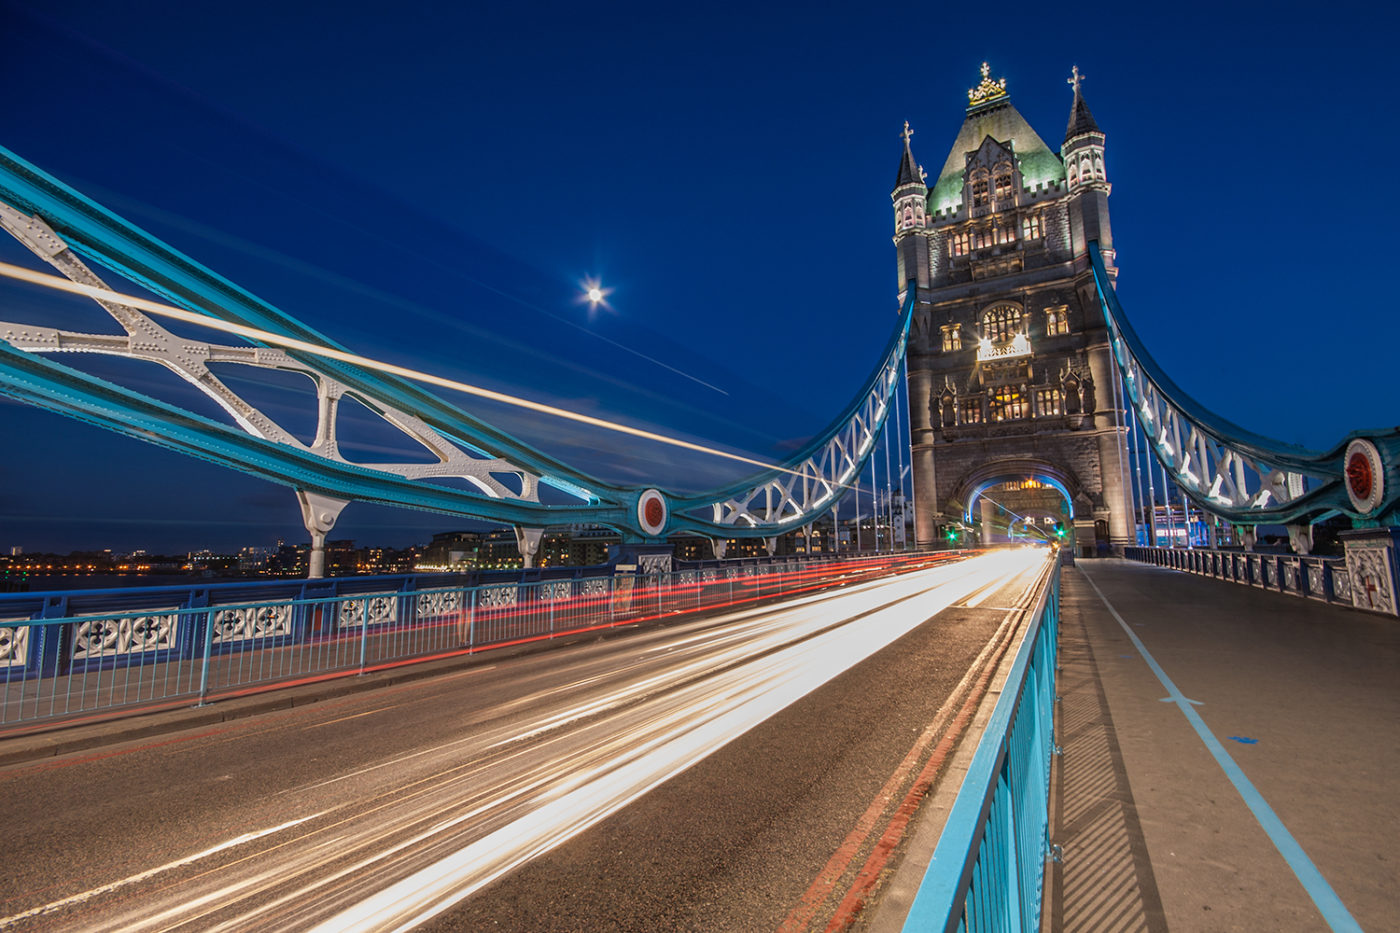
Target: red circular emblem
(652,512)
(1359,474)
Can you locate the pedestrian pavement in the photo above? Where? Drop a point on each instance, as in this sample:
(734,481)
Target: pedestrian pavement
(1228,758)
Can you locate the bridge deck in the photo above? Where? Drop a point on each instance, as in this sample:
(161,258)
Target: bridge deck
(1292,822)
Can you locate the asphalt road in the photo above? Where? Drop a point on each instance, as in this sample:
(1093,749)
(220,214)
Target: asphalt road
(698,776)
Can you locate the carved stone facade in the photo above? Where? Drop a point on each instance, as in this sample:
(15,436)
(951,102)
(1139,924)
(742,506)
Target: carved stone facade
(1010,378)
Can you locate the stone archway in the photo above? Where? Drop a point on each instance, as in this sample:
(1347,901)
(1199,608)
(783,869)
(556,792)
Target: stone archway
(1021,498)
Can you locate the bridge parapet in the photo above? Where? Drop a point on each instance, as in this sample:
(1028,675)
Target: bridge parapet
(111,651)
(991,855)
(1364,579)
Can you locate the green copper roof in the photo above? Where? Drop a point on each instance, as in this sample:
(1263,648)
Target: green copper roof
(1003,123)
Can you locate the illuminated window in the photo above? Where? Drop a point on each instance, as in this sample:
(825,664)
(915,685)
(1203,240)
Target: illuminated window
(1004,234)
(1003,184)
(1098,166)
(1073,173)
(1007,404)
(1056,321)
(908,217)
(970,410)
(1048,403)
(958,244)
(952,337)
(1001,323)
(1030,227)
(979,188)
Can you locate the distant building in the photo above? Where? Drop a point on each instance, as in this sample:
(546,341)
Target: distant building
(1009,371)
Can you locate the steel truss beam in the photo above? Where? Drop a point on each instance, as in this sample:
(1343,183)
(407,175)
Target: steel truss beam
(63,228)
(1243,477)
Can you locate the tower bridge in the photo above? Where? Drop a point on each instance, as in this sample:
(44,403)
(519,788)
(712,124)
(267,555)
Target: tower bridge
(1010,374)
(1022,400)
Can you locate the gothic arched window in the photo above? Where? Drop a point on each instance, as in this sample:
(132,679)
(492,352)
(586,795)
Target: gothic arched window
(1001,323)
(1003,182)
(979,187)
(1008,404)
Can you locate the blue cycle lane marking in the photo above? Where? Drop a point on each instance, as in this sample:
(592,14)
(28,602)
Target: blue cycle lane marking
(1333,911)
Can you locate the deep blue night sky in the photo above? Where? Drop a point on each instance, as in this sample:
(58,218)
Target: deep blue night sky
(430,185)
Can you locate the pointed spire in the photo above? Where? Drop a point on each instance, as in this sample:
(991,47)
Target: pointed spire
(909,171)
(1081,121)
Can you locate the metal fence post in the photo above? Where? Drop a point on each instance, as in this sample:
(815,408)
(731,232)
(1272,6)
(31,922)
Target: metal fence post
(471,622)
(208,649)
(364,632)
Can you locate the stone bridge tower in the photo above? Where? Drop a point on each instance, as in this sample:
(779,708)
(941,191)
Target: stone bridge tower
(1011,389)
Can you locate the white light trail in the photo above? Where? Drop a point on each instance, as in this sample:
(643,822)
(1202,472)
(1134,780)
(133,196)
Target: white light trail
(700,720)
(58,283)
(7,922)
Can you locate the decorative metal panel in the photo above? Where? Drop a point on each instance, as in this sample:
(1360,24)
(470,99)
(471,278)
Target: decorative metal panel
(438,603)
(383,608)
(1372,585)
(557,591)
(496,597)
(243,622)
(14,643)
(654,563)
(153,630)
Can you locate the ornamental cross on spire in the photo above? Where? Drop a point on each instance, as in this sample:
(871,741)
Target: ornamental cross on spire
(1077,77)
(906,134)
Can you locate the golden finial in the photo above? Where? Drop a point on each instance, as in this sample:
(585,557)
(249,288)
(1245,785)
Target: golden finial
(988,89)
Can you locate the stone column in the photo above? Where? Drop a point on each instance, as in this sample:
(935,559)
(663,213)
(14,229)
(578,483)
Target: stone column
(989,512)
(926,504)
(1110,424)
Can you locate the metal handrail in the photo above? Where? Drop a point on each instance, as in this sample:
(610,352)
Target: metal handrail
(167,647)
(987,871)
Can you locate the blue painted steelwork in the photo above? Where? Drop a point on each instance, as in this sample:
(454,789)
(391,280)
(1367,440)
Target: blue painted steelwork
(770,503)
(1241,476)
(988,869)
(80,652)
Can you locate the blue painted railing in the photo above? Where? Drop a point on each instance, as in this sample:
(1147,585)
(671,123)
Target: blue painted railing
(1325,579)
(988,870)
(68,655)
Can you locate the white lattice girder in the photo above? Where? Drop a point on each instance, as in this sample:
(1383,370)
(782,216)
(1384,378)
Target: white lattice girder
(147,340)
(1209,467)
(808,487)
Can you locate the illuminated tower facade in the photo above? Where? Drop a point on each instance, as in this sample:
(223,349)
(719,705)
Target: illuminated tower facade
(1012,404)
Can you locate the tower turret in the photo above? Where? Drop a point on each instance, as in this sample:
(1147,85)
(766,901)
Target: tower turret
(1086,177)
(910,197)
